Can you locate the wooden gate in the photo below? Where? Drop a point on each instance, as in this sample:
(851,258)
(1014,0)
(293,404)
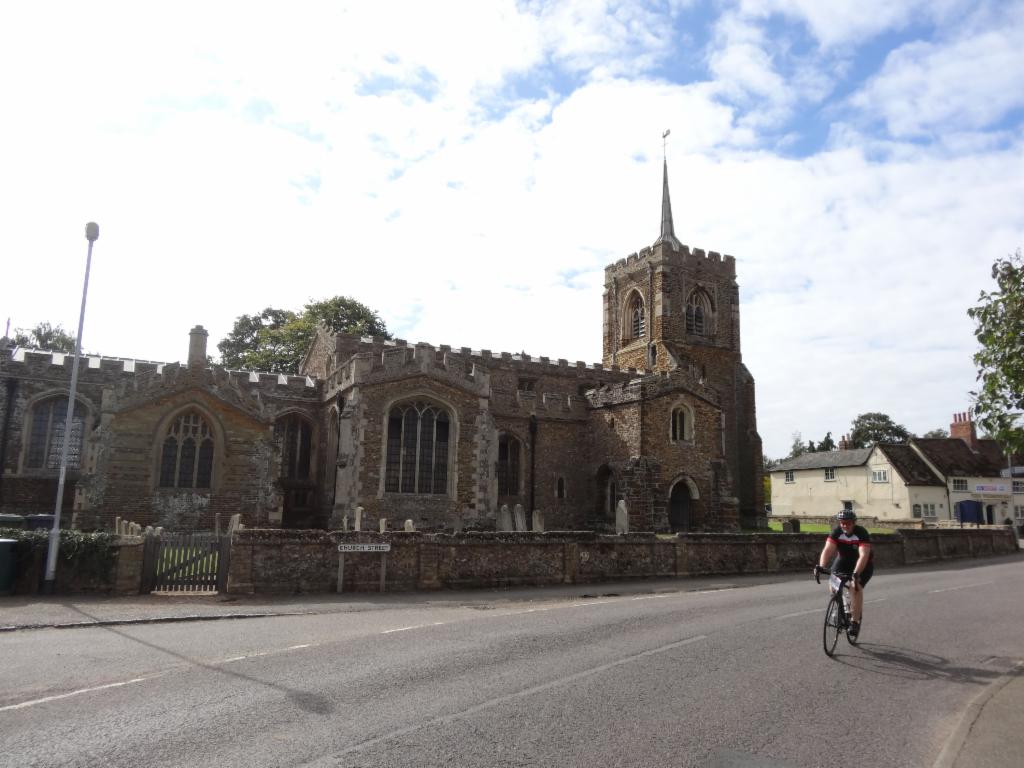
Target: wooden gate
(186,562)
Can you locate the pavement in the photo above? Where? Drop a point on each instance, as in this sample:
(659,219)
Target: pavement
(990,733)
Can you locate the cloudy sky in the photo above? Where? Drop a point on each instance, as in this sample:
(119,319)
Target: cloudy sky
(469,168)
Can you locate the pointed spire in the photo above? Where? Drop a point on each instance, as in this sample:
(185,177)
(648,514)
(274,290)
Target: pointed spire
(668,234)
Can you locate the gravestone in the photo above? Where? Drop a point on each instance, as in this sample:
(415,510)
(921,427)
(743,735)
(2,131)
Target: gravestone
(359,519)
(383,525)
(504,518)
(520,518)
(538,521)
(621,517)
(409,527)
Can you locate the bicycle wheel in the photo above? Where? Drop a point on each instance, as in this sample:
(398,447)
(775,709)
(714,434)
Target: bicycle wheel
(833,625)
(853,639)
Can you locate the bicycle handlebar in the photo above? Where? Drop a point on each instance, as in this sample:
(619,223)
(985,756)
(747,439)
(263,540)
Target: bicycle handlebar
(843,577)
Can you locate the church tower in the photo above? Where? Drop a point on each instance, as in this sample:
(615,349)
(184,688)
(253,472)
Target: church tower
(669,307)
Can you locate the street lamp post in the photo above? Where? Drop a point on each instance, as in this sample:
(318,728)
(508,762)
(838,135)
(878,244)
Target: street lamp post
(92,233)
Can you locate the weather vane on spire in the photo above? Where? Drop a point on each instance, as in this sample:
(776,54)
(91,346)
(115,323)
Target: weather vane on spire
(663,142)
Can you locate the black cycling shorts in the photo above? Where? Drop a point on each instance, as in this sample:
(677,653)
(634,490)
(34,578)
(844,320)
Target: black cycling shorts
(865,577)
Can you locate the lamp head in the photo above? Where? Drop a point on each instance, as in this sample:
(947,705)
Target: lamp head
(92,231)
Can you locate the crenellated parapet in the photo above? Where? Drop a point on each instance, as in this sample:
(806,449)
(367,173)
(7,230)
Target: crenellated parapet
(648,386)
(248,391)
(123,383)
(665,253)
(44,365)
(376,359)
(396,360)
(549,405)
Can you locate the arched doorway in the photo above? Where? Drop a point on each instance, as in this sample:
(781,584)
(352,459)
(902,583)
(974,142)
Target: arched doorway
(680,507)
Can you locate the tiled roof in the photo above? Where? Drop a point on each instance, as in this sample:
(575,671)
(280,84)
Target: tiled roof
(952,456)
(823,459)
(992,452)
(909,465)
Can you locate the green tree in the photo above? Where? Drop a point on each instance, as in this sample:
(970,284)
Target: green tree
(999,329)
(940,432)
(870,428)
(826,443)
(275,340)
(52,338)
(798,448)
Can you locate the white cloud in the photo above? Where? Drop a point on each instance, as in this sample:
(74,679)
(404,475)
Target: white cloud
(926,88)
(843,22)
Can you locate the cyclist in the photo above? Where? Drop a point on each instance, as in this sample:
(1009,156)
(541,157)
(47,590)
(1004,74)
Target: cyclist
(850,546)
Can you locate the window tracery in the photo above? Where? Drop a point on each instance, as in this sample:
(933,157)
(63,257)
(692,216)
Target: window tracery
(698,314)
(417,449)
(186,456)
(46,434)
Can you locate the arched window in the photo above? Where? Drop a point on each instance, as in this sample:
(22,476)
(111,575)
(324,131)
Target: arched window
(698,314)
(294,436)
(681,427)
(635,317)
(46,434)
(509,452)
(417,449)
(186,458)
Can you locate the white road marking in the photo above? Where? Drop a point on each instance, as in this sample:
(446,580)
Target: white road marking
(32,703)
(818,610)
(962,586)
(415,626)
(799,613)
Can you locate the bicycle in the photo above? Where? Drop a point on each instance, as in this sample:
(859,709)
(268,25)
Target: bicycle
(837,614)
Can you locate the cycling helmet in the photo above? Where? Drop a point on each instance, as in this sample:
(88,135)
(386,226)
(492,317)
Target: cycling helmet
(847,514)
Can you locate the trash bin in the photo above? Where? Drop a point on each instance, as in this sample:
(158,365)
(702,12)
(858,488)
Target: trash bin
(35,522)
(12,521)
(7,566)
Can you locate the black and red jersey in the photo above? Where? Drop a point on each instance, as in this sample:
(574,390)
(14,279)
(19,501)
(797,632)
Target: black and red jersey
(849,545)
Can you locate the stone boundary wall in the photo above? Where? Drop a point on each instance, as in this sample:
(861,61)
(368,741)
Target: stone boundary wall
(123,578)
(287,562)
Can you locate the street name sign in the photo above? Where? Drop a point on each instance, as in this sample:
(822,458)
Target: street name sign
(364,547)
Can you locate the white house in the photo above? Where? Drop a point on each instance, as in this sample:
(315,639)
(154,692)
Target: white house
(923,479)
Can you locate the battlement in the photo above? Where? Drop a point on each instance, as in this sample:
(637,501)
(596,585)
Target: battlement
(37,361)
(270,381)
(646,385)
(97,369)
(724,264)
(395,355)
(552,404)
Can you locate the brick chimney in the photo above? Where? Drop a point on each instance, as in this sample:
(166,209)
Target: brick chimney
(197,347)
(844,443)
(963,427)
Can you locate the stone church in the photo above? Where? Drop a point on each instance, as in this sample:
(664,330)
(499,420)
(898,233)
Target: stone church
(442,436)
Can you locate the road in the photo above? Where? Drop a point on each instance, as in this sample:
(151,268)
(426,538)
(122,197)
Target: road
(727,676)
